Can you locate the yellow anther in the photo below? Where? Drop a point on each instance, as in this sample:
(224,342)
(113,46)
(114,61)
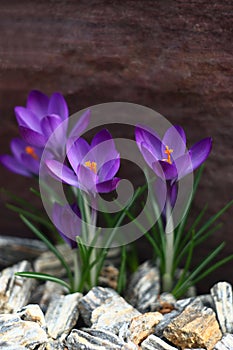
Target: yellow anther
(168,152)
(91,165)
(30,150)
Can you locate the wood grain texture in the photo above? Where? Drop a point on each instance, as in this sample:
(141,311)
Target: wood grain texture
(173,56)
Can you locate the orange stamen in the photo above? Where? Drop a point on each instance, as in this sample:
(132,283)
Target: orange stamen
(30,150)
(91,165)
(168,152)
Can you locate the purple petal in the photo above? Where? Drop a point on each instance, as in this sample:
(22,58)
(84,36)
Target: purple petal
(38,103)
(62,172)
(32,137)
(147,129)
(87,179)
(101,136)
(76,152)
(30,163)
(147,153)
(103,148)
(165,170)
(109,169)
(18,147)
(183,165)
(81,125)
(27,118)
(107,186)
(160,193)
(102,153)
(175,139)
(142,135)
(58,105)
(173,191)
(200,151)
(67,220)
(49,125)
(13,165)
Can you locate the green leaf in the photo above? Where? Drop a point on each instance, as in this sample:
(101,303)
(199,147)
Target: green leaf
(32,216)
(177,292)
(213,267)
(43,277)
(179,248)
(19,200)
(50,246)
(122,273)
(187,264)
(183,222)
(214,218)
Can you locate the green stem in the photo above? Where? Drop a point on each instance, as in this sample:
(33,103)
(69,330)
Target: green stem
(169,251)
(77,272)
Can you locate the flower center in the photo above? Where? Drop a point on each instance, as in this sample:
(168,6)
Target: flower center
(91,165)
(168,152)
(30,150)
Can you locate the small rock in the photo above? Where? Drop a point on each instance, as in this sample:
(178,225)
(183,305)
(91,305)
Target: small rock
(165,303)
(109,277)
(167,318)
(11,346)
(226,343)
(223,300)
(50,290)
(93,299)
(15,291)
(144,287)
(22,333)
(87,339)
(14,249)
(48,263)
(32,313)
(143,325)
(196,326)
(206,300)
(103,308)
(153,342)
(55,345)
(62,315)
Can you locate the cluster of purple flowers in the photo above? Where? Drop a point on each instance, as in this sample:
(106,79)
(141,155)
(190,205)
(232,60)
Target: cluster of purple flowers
(92,167)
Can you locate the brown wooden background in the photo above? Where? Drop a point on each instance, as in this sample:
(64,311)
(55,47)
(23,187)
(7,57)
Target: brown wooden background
(173,56)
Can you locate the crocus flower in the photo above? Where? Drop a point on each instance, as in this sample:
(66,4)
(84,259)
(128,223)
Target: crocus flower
(25,159)
(93,166)
(67,219)
(168,157)
(42,116)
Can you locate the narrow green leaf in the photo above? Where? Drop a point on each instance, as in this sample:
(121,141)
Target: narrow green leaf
(43,277)
(19,200)
(122,272)
(34,191)
(32,216)
(50,246)
(183,222)
(187,264)
(186,237)
(198,269)
(213,267)
(214,218)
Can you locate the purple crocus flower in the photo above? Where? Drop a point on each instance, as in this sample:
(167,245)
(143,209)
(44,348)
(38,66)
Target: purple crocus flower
(170,160)
(67,219)
(25,159)
(94,166)
(42,116)
(168,157)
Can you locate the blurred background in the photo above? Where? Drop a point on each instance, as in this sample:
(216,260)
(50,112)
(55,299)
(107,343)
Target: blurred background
(172,56)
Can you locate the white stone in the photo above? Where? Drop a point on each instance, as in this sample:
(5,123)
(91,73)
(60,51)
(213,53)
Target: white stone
(223,300)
